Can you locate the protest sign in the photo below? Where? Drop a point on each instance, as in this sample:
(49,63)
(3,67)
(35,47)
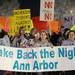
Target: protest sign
(23,18)
(20,18)
(46,10)
(21,12)
(39,25)
(73,28)
(41,59)
(27,24)
(54,26)
(12,28)
(2,22)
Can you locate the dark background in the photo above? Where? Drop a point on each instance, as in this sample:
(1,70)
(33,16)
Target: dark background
(60,6)
(34,5)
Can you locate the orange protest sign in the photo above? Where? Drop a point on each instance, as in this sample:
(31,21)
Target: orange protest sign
(54,26)
(2,22)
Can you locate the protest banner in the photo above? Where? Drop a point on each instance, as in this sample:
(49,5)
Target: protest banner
(41,59)
(46,10)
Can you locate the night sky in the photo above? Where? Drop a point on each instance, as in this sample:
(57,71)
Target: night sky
(34,5)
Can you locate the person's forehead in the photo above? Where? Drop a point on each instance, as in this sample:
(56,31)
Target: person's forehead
(22,29)
(43,32)
(72,33)
(34,30)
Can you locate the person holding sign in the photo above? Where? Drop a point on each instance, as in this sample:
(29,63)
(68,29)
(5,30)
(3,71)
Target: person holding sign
(43,42)
(20,39)
(33,37)
(70,41)
(4,41)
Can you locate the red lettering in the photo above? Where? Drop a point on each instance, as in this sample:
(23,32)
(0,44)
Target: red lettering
(47,16)
(48,4)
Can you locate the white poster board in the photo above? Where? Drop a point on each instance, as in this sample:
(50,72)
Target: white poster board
(46,10)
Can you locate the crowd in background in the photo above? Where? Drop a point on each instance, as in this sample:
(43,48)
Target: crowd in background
(37,39)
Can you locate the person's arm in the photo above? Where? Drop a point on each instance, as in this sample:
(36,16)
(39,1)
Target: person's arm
(6,40)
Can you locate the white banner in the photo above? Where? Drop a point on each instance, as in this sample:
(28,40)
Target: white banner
(40,59)
(46,10)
